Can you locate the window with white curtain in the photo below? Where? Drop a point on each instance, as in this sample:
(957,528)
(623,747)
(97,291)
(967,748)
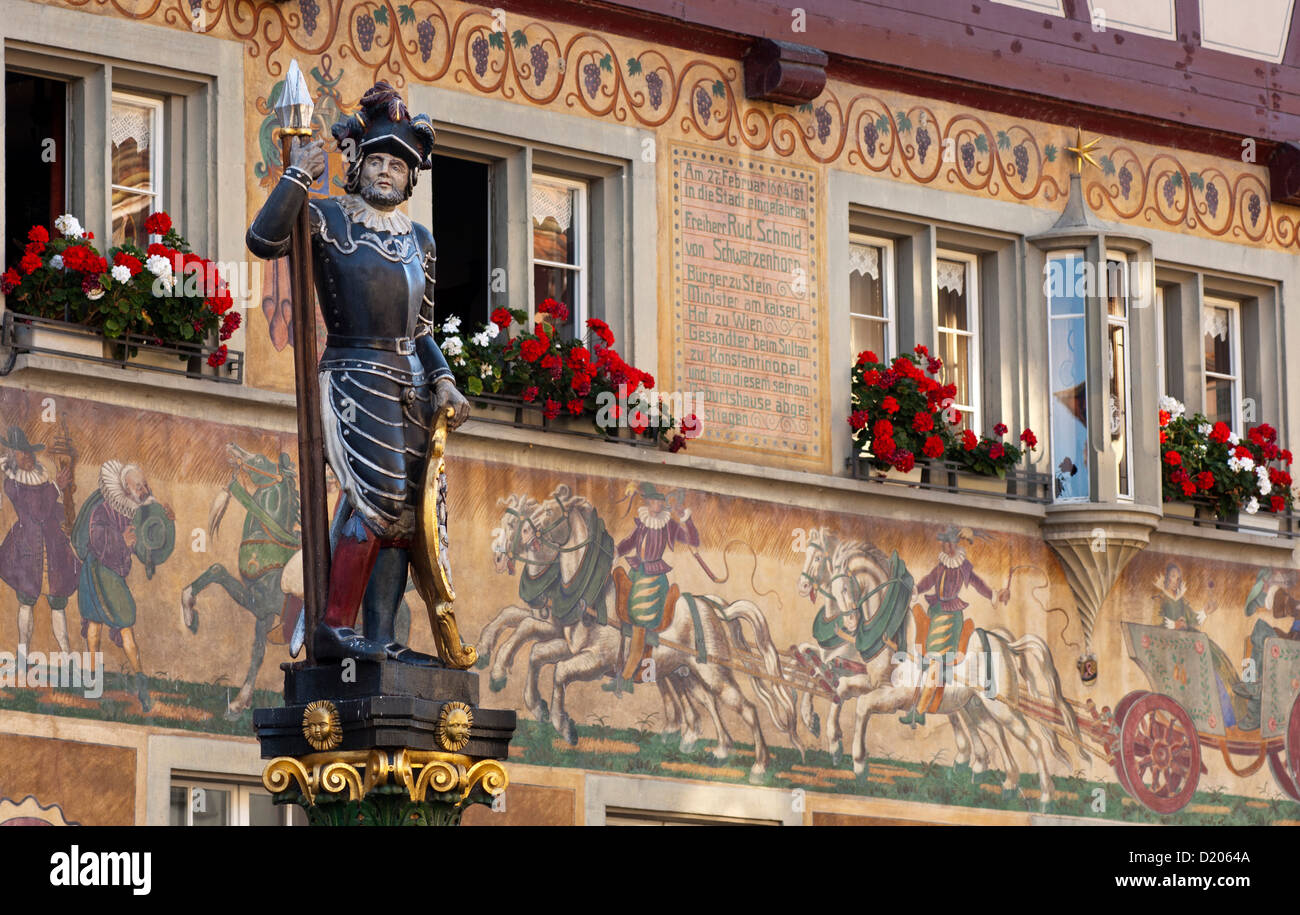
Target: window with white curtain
(135,131)
(957,295)
(559,208)
(1221,332)
(871,297)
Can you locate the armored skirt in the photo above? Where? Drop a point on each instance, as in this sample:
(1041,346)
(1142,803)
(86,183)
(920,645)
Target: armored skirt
(376,410)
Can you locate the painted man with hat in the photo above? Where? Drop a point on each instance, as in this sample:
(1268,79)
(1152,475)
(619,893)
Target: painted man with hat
(119,523)
(36,550)
(944,629)
(383,379)
(644,594)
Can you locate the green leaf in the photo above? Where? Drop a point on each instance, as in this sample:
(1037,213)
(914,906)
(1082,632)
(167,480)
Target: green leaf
(1107,165)
(982,143)
(633,66)
(475,385)
(1176,179)
(607,63)
(1197,181)
(497,40)
(719,88)
(903,121)
(519,38)
(405,14)
(882,125)
(806,108)
(381,16)
(1004,141)
(1049,152)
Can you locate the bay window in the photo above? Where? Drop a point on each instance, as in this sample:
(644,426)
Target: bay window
(1118,368)
(1068,376)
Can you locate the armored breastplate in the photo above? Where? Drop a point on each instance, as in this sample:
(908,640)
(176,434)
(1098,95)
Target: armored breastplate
(370,282)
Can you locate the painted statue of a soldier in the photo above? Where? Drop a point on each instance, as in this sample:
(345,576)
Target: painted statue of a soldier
(383,379)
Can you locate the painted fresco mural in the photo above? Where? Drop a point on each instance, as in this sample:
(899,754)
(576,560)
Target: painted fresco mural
(639,626)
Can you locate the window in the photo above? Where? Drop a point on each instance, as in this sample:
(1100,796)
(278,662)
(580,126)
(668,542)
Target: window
(462,230)
(35,138)
(136,137)
(559,208)
(957,295)
(1068,376)
(1117,368)
(197,802)
(871,297)
(1221,330)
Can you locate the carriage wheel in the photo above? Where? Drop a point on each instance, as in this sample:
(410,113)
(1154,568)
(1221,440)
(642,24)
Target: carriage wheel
(1293,742)
(1121,709)
(1160,753)
(1290,787)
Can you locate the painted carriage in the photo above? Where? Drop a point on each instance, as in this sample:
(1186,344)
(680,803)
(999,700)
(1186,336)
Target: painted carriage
(1160,734)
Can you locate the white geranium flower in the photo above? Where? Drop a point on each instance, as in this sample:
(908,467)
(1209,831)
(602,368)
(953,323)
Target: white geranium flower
(1265,484)
(1204,429)
(57,262)
(485,371)
(1252,506)
(453,346)
(491,330)
(121,273)
(95,294)
(1234,438)
(479,339)
(451,325)
(69,226)
(158,265)
(1172,407)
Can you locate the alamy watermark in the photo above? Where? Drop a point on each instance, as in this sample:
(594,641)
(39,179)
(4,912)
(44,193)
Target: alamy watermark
(653,409)
(75,670)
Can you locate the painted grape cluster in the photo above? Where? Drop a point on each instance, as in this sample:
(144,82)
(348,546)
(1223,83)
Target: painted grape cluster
(1212,198)
(968,156)
(479,48)
(541,62)
(424,33)
(871,135)
(703,103)
(922,142)
(366,30)
(823,115)
(1021,155)
(591,78)
(655,86)
(310,9)
(1253,206)
(1125,181)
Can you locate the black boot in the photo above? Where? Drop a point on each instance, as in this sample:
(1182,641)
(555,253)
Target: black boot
(398,652)
(334,644)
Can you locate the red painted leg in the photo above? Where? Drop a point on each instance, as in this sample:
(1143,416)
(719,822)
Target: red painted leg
(349,572)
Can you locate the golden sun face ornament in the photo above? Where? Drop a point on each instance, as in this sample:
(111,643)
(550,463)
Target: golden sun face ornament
(454,723)
(320,725)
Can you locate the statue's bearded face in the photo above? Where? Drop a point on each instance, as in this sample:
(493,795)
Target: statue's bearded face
(383,180)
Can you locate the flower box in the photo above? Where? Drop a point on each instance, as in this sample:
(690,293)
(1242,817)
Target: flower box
(1262,524)
(1180,510)
(913,477)
(50,340)
(983,483)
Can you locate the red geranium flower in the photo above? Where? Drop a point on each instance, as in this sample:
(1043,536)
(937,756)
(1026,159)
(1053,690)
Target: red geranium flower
(581,384)
(933,447)
(1173,458)
(29,264)
(158,223)
(883,447)
(34,247)
(968,440)
(922,422)
(1164,417)
(638,422)
(1285,455)
(557,310)
(866,356)
(882,428)
(690,426)
(10,281)
(219,357)
(531,350)
(38,233)
(549,362)
(858,419)
(1220,433)
(601,330)
(1189,488)
(871,377)
(647,380)
(551,408)
(1205,480)
(574,406)
(889,405)
(996,451)
(1277,503)
(130,262)
(1029,439)
(920,350)
(904,461)
(1000,429)
(530,394)
(501,318)
(1164,436)
(934,366)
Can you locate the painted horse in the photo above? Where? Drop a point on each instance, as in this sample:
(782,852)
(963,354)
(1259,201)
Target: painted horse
(270,541)
(569,622)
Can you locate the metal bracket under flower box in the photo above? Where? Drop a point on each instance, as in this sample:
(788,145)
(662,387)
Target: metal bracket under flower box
(514,411)
(28,334)
(1020,484)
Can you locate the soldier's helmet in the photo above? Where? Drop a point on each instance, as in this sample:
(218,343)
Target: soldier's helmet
(383,124)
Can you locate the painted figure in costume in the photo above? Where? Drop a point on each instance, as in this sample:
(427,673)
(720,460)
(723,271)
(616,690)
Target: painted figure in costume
(383,379)
(120,523)
(36,550)
(643,593)
(1177,613)
(1279,617)
(944,629)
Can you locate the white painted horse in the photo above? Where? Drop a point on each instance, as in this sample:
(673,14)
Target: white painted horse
(559,531)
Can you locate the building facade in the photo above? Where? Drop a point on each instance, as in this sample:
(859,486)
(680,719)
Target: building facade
(629,160)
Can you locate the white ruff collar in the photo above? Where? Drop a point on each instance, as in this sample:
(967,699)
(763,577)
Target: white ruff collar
(25,477)
(654,522)
(356,209)
(954,561)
